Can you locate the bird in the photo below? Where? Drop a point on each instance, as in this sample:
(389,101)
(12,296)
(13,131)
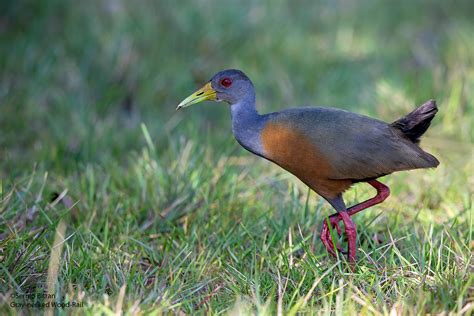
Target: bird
(327,148)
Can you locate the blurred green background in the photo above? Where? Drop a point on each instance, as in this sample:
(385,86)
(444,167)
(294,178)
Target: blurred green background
(77,79)
(169,207)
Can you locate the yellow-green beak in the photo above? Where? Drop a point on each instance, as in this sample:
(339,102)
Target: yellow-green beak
(203,94)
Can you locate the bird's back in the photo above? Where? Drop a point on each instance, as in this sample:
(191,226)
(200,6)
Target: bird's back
(336,145)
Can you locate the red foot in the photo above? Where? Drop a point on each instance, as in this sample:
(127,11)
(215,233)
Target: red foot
(326,237)
(350,230)
(382,193)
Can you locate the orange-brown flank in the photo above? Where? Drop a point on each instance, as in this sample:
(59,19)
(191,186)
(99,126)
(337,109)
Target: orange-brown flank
(294,152)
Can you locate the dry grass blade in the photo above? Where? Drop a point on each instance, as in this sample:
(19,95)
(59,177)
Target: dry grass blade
(54,260)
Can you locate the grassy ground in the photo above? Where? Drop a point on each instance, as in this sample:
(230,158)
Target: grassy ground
(131,206)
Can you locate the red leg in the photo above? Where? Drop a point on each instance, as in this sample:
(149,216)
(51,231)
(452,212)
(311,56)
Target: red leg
(351,234)
(382,193)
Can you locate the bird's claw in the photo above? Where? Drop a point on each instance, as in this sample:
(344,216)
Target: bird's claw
(326,237)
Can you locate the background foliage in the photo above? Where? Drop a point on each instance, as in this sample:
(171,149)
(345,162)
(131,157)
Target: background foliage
(167,207)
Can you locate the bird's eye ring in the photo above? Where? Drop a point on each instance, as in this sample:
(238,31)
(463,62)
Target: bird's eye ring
(226,82)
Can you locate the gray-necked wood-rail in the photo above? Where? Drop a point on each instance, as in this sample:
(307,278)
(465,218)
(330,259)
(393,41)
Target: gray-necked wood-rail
(328,149)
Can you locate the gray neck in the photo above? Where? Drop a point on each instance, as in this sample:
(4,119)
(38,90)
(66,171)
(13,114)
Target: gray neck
(247,124)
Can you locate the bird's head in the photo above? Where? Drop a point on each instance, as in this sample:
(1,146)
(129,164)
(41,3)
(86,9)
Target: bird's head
(229,85)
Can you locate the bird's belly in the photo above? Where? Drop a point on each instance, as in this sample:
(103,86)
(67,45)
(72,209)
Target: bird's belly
(293,151)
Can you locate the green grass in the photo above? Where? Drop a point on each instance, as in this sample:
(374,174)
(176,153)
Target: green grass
(164,212)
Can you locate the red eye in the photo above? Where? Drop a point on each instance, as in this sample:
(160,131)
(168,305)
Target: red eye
(226,82)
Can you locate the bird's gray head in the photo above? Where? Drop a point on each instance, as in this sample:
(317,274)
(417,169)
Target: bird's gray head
(230,85)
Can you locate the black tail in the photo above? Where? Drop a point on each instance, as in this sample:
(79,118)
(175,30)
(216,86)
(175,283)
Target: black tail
(417,122)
